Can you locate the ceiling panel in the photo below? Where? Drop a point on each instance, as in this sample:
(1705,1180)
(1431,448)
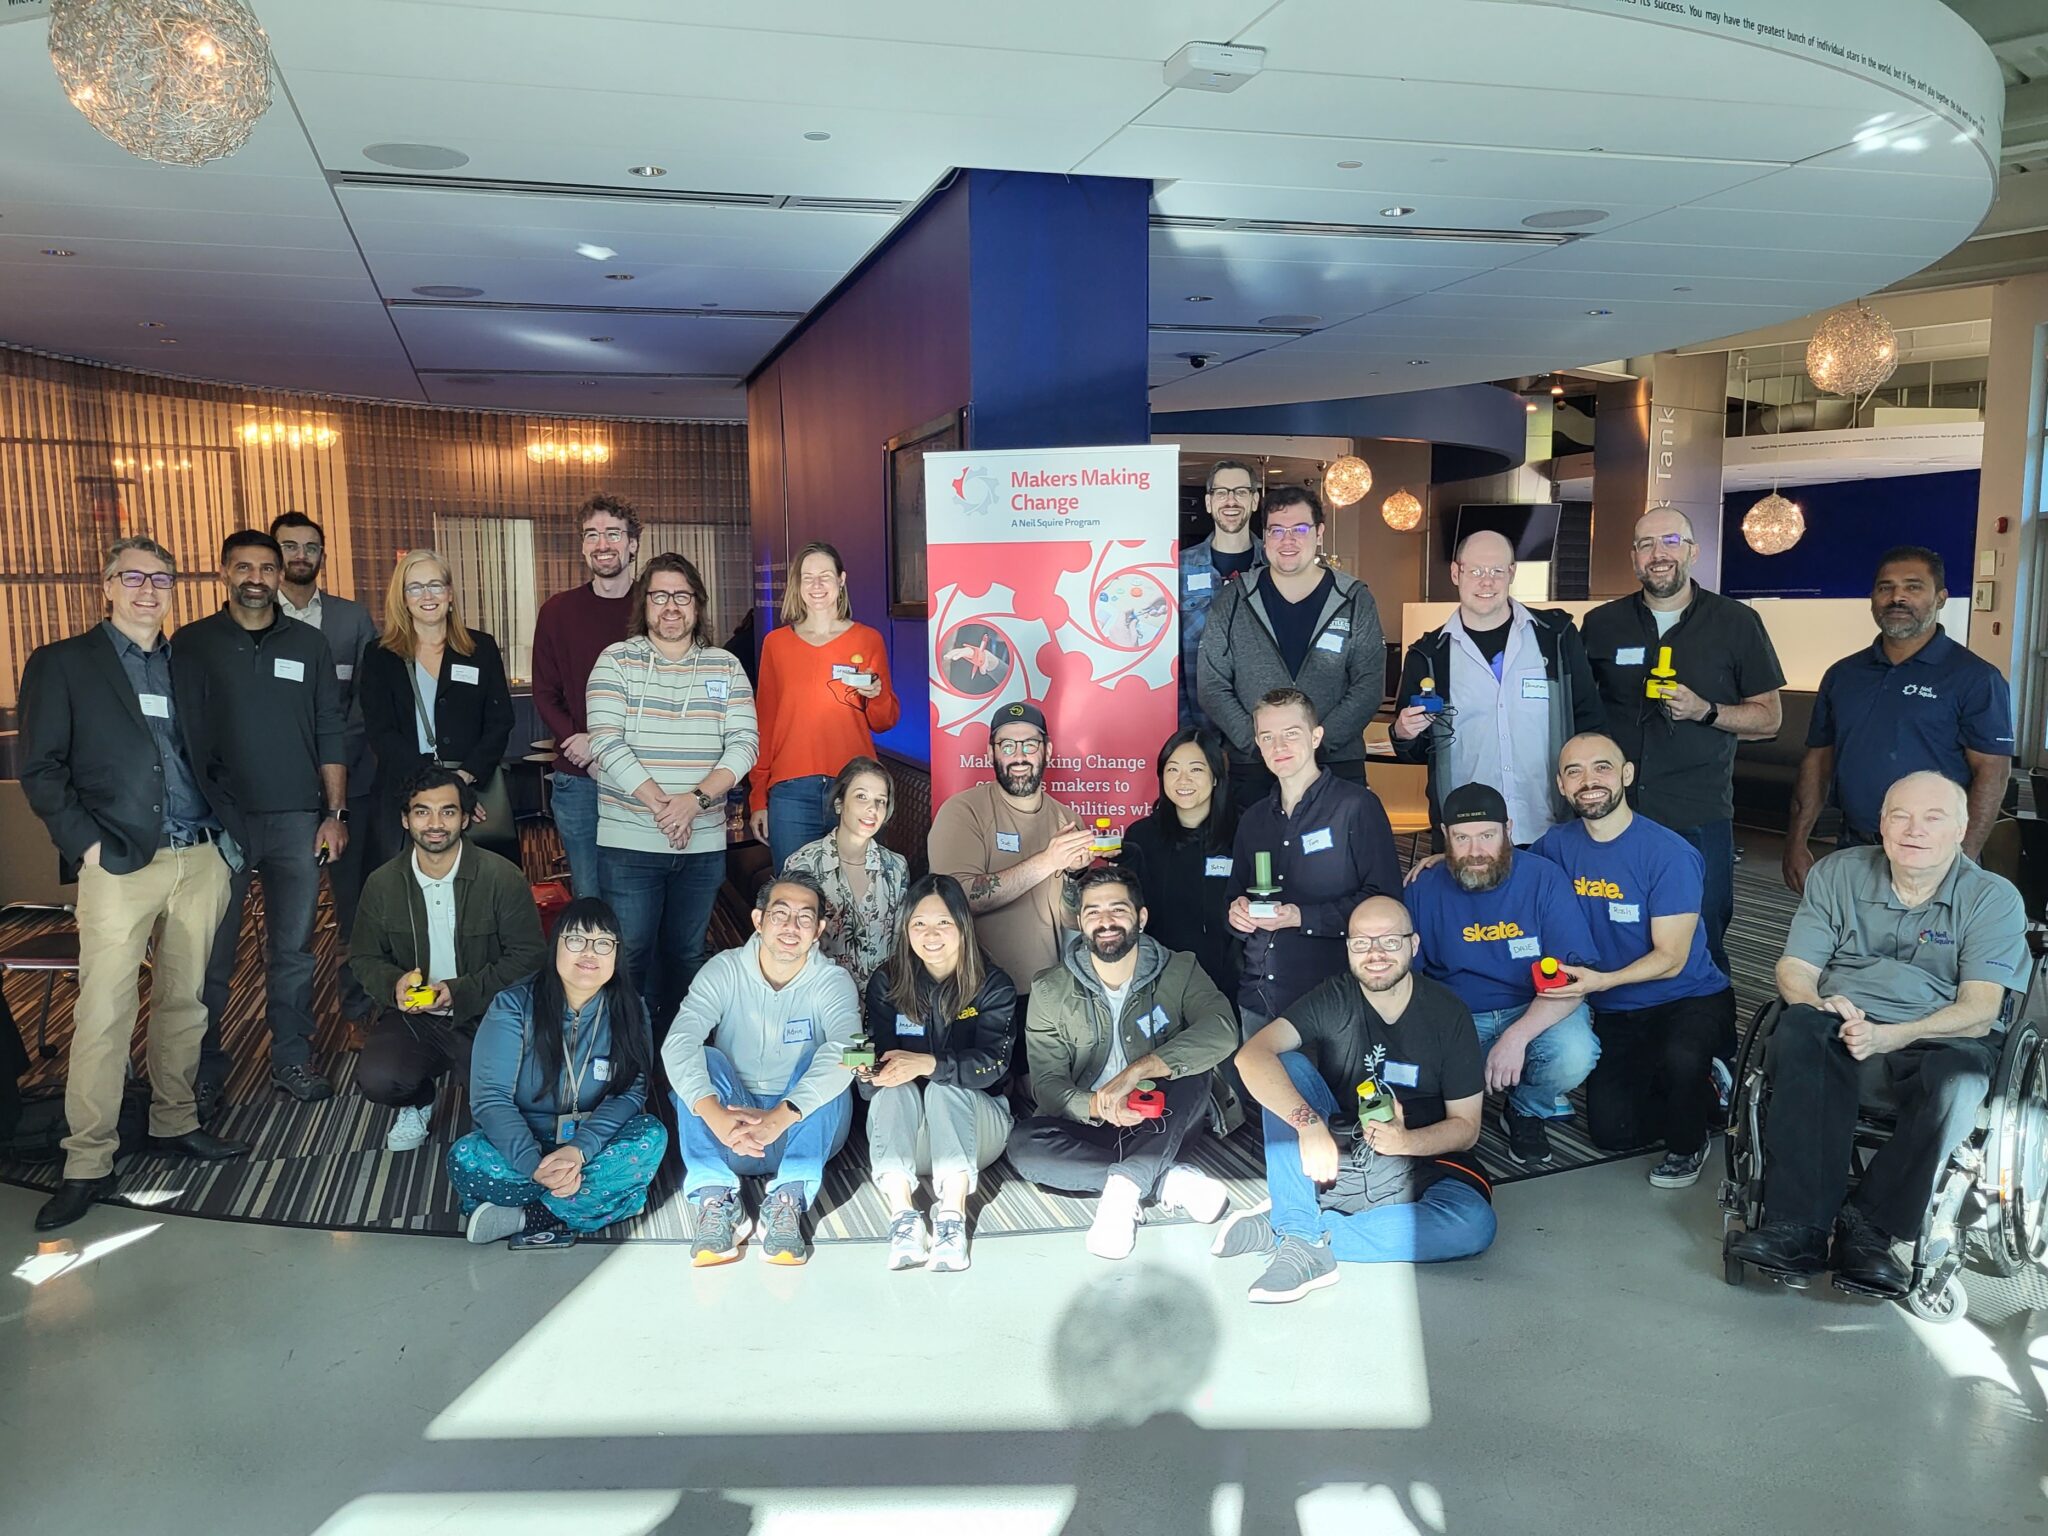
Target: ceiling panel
(664,398)
(1908,242)
(1244,292)
(485,339)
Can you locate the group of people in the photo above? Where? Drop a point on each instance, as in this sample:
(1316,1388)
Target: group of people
(1255,948)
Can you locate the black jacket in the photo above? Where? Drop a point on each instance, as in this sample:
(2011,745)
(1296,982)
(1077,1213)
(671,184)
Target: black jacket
(1574,700)
(472,721)
(973,1048)
(1186,905)
(84,747)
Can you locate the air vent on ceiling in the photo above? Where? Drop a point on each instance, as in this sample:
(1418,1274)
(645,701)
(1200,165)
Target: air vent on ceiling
(444,292)
(786,316)
(1236,330)
(1357,231)
(590,192)
(468,375)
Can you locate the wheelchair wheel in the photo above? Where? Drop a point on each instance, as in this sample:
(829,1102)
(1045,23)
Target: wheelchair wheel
(1949,1304)
(1731,1268)
(2015,1179)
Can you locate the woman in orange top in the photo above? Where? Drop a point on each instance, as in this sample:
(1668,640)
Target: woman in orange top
(824,693)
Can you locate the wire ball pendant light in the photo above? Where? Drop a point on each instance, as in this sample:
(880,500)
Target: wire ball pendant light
(1773,525)
(1401,511)
(1346,480)
(180,82)
(1853,351)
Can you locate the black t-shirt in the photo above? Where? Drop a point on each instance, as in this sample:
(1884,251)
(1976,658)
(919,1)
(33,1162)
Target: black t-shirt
(1684,770)
(1294,624)
(1229,567)
(1492,643)
(1428,1055)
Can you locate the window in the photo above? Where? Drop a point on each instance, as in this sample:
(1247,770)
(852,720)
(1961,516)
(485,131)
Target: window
(491,560)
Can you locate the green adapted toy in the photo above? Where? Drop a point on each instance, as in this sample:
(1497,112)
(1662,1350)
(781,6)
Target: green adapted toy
(1374,1102)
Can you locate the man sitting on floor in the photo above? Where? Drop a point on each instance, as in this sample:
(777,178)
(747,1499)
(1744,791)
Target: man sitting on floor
(1370,1181)
(444,918)
(759,1084)
(1894,973)
(1121,1010)
(1487,917)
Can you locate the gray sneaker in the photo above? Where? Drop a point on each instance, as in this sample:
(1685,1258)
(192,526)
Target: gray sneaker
(1299,1267)
(1247,1231)
(949,1242)
(782,1227)
(1680,1172)
(909,1245)
(303,1081)
(722,1226)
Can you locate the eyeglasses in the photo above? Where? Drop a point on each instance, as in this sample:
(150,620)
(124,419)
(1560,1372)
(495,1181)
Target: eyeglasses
(679,599)
(1386,944)
(1486,572)
(604,535)
(1233,493)
(1289,530)
(597,944)
(783,917)
(426,589)
(161,580)
(1665,540)
(298,549)
(1015,748)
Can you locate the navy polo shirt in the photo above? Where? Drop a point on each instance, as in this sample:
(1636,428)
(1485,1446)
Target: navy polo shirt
(1622,886)
(1887,721)
(1481,944)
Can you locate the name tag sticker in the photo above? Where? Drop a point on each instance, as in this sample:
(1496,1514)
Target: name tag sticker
(906,1025)
(1199,581)
(842,670)
(717,688)
(1153,1023)
(796,1031)
(1007,842)
(1317,841)
(1526,949)
(344,670)
(1624,912)
(1402,1074)
(156,705)
(1535,687)
(464,674)
(601,1068)
(1628,656)
(291,671)
(1332,642)
(1218,865)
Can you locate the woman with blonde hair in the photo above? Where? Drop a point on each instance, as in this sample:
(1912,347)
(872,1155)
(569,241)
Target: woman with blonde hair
(433,690)
(824,693)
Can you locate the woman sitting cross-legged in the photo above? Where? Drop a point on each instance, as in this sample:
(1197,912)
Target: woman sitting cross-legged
(941,1018)
(558,1088)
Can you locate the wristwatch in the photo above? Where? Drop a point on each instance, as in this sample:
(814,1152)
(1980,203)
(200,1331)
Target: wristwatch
(703,800)
(340,816)
(1713,713)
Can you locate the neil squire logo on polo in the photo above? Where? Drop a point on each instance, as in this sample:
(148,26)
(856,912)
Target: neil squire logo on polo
(1606,890)
(1920,690)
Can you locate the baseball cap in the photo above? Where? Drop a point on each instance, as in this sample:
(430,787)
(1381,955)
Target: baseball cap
(1023,712)
(1474,802)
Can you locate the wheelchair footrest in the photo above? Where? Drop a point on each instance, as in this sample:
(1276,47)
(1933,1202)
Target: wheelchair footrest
(1852,1288)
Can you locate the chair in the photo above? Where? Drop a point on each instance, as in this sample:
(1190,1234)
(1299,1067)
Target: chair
(1403,788)
(30,889)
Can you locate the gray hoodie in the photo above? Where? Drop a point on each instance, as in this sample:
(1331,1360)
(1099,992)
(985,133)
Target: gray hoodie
(764,1031)
(1344,674)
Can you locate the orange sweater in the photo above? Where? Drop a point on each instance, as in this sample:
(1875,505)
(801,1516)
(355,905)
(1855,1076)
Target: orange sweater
(809,723)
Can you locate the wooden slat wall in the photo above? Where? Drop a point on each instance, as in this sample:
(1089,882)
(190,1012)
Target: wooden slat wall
(88,454)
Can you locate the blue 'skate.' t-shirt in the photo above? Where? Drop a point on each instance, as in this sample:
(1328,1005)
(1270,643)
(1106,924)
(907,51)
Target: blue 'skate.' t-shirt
(1481,944)
(1648,872)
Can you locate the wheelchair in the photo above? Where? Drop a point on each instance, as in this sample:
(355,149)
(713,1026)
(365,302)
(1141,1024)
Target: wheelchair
(1991,1198)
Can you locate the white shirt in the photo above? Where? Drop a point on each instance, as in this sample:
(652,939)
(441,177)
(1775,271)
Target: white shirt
(310,614)
(1116,1061)
(439,896)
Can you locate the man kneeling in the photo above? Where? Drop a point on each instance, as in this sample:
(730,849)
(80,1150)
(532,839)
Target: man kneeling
(1122,1010)
(759,1084)
(1386,1185)
(1894,972)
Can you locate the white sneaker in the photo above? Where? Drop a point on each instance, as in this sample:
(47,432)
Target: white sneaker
(1204,1199)
(1114,1232)
(908,1244)
(408,1132)
(949,1243)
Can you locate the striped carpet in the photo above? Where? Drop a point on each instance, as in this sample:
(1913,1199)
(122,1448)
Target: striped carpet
(324,1165)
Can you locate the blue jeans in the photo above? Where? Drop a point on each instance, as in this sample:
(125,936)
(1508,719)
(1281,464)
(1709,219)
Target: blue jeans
(614,1182)
(1451,1220)
(574,805)
(797,1156)
(1558,1060)
(664,903)
(1716,843)
(797,814)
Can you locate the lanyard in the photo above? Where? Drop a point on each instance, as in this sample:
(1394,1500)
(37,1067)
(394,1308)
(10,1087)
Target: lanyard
(572,1070)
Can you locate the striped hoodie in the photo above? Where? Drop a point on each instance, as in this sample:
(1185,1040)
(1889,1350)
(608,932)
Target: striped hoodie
(672,722)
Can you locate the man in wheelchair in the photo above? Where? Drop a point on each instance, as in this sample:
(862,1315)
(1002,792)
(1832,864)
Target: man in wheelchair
(1894,973)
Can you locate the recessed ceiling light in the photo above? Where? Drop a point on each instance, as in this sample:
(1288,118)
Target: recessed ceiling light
(447,291)
(1396,212)
(817,136)
(649,171)
(151,325)
(1599,311)
(1564,218)
(1418,362)
(416,157)
(167,341)
(53,251)
(1349,165)
(618,277)
(600,338)
(1200,298)
(596,252)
